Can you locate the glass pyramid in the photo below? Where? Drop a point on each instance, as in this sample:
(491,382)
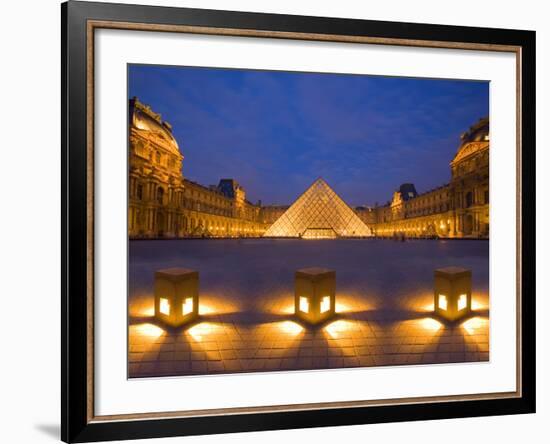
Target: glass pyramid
(318,213)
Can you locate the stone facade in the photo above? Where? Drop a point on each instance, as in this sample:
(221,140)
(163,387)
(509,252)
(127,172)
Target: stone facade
(457,209)
(271,213)
(164,204)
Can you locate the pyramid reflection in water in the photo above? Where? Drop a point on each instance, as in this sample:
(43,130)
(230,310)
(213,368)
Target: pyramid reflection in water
(319,213)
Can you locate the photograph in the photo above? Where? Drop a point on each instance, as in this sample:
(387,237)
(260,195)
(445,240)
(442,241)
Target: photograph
(305,221)
(294,220)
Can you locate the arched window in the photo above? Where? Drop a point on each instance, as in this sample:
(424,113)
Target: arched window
(160,195)
(157,157)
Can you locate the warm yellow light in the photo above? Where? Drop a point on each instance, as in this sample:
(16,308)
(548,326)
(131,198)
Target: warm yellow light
(187,306)
(462,302)
(149,311)
(164,306)
(341,308)
(291,328)
(477,305)
(474,324)
(325,304)
(340,328)
(199,331)
(148,330)
(442,302)
(430,324)
(142,311)
(353,303)
(428,307)
(206,309)
(210,304)
(287,309)
(304,304)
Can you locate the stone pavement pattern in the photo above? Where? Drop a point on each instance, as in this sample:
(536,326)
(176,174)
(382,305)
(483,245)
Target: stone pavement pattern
(241,332)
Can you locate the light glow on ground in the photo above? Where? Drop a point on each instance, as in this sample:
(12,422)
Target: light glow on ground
(341,307)
(148,330)
(202,331)
(142,306)
(344,304)
(287,309)
(473,325)
(144,312)
(290,327)
(477,305)
(352,303)
(205,309)
(248,323)
(210,305)
(340,328)
(430,324)
(428,308)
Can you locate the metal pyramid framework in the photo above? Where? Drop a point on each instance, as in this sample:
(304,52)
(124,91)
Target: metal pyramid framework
(318,213)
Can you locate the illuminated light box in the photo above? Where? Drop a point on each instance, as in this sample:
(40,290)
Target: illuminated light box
(452,292)
(176,296)
(315,294)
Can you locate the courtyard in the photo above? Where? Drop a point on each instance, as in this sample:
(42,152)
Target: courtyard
(384,306)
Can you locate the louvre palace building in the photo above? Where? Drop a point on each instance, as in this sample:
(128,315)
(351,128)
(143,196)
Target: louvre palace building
(163,203)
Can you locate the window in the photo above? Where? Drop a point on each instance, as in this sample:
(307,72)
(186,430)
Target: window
(139,191)
(160,195)
(164,306)
(469,199)
(304,304)
(462,302)
(486,196)
(325,304)
(157,157)
(187,306)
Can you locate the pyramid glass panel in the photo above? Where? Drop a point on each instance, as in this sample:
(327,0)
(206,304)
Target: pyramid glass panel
(319,213)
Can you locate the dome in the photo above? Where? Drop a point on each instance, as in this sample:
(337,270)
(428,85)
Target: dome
(477,133)
(143,118)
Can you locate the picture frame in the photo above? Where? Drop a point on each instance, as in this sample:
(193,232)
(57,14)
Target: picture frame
(80,21)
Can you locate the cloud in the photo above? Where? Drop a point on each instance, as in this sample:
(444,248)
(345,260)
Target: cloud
(275,132)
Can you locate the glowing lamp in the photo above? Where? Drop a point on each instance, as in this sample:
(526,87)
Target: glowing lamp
(452,292)
(176,296)
(315,294)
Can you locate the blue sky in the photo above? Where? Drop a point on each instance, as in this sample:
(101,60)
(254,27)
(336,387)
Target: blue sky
(276,132)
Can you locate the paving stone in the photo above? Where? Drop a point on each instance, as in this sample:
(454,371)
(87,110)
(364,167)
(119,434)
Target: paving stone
(265,339)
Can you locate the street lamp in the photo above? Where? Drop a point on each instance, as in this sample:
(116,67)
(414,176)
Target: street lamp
(452,292)
(176,296)
(315,294)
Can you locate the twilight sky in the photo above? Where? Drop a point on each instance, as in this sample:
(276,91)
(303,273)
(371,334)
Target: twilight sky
(276,132)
